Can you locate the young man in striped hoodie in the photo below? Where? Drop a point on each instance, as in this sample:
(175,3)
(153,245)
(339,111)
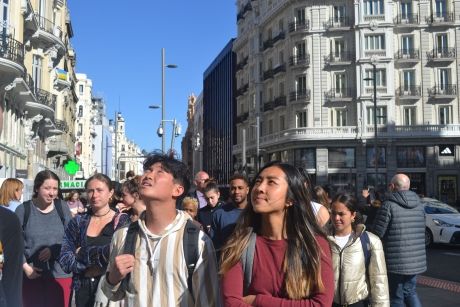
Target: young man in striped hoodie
(157,273)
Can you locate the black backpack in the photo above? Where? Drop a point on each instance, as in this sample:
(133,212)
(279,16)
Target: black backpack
(190,244)
(28,208)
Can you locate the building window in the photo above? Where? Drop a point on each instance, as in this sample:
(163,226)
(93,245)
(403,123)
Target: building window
(301,84)
(37,71)
(380,75)
(299,50)
(374,42)
(281,25)
(270,126)
(340,82)
(374,7)
(122,147)
(381,115)
(80,89)
(444,79)
(281,89)
(406,9)
(407,44)
(408,80)
(341,157)
(442,43)
(410,156)
(301,119)
(409,116)
(339,117)
(441,8)
(370,156)
(339,48)
(339,13)
(80,130)
(300,16)
(445,115)
(282,123)
(305,158)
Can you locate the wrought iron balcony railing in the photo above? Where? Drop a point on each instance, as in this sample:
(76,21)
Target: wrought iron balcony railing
(441,53)
(300,25)
(61,125)
(440,17)
(278,69)
(407,54)
(48,26)
(241,118)
(280,101)
(407,19)
(269,105)
(268,74)
(338,22)
(300,95)
(337,93)
(240,91)
(299,60)
(11,49)
(241,64)
(409,91)
(443,90)
(337,58)
(46,98)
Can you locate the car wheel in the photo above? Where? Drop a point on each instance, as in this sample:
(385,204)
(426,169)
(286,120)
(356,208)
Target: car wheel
(428,237)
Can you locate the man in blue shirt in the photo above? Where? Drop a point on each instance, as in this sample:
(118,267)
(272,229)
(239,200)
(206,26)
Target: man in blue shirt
(224,218)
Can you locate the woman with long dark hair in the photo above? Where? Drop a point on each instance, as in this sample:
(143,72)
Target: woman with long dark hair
(86,246)
(358,258)
(277,254)
(43,220)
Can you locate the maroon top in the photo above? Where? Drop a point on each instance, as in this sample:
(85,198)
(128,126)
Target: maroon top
(268,277)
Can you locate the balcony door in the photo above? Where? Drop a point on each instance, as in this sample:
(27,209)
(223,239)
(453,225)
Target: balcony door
(340,84)
(301,85)
(407,44)
(442,44)
(339,13)
(4,22)
(300,50)
(444,80)
(300,16)
(339,48)
(408,81)
(406,10)
(441,8)
(37,71)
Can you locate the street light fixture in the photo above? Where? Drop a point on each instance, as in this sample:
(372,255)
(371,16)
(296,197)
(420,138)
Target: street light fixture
(374,81)
(163,109)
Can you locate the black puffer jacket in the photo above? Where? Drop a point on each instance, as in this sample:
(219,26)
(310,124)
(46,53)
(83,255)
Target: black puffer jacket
(400,223)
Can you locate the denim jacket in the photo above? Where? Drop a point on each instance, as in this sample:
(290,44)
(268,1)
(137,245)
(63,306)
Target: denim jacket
(75,237)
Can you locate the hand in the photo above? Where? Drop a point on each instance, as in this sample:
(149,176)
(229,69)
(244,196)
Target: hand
(123,265)
(45,254)
(31,271)
(249,299)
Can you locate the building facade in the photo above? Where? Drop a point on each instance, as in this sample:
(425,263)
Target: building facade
(305,78)
(218,115)
(37,87)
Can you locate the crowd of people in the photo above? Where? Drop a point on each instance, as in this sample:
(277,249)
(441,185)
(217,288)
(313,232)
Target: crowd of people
(153,240)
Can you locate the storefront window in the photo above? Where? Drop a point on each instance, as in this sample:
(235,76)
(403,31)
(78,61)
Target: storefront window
(305,158)
(341,157)
(379,184)
(370,157)
(417,182)
(343,182)
(411,156)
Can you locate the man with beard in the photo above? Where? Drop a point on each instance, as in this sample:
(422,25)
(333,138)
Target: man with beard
(224,218)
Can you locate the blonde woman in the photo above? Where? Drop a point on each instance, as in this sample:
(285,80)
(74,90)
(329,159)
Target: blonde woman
(11,193)
(291,261)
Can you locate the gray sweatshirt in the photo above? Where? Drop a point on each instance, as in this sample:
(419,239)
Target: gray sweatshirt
(44,230)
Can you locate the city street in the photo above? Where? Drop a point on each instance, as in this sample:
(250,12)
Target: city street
(440,285)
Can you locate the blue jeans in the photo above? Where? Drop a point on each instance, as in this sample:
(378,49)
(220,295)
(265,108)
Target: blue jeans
(402,290)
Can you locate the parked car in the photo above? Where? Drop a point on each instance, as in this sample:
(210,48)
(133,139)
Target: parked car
(442,222)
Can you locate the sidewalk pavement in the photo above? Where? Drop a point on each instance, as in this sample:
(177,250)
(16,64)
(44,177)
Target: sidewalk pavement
(438,293)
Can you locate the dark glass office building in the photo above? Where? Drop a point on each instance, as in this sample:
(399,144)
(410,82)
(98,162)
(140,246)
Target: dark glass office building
(218,111)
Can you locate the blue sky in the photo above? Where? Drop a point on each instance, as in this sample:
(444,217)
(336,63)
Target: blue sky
(118,45)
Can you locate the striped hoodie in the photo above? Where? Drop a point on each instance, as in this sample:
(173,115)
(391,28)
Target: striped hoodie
(160,272)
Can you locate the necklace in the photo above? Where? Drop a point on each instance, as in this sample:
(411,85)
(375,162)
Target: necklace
(101,215)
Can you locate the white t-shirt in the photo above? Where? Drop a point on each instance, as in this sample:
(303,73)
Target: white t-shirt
(316,206)
(342,241)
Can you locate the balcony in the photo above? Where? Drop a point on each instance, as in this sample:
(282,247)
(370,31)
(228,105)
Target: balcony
(443,91)
(280,102)
(441,55)
(338,24)
(299,26)
(375,53)
(300,96)
(57,146)
(278,38)
(441,19)
(241,64)
(300,61)
(11,59)
(267,44)
(368,18)
(242,118)
(243,89)
(268,74)
(369,89)
(269,105)
(407,21)
(407,56)
(61,80)
(342,58)
(413,92)
(279,69)
(45,104)
(49,35)
(61,125)
(339,94)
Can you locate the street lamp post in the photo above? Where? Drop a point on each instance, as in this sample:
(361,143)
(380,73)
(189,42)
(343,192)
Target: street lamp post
(374,81)
(163,109)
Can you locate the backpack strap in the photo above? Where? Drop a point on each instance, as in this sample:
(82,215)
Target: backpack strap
(366,244)
(191,252)
(60,211)
(27,209)
(247,261)
(129,248)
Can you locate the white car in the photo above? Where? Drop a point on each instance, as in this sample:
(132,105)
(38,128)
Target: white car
(442,222)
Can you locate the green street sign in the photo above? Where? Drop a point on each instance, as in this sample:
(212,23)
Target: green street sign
(71,167)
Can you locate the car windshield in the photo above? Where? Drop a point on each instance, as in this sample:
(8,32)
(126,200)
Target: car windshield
(439,210)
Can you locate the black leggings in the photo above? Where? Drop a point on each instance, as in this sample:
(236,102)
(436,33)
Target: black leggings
(85,296)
